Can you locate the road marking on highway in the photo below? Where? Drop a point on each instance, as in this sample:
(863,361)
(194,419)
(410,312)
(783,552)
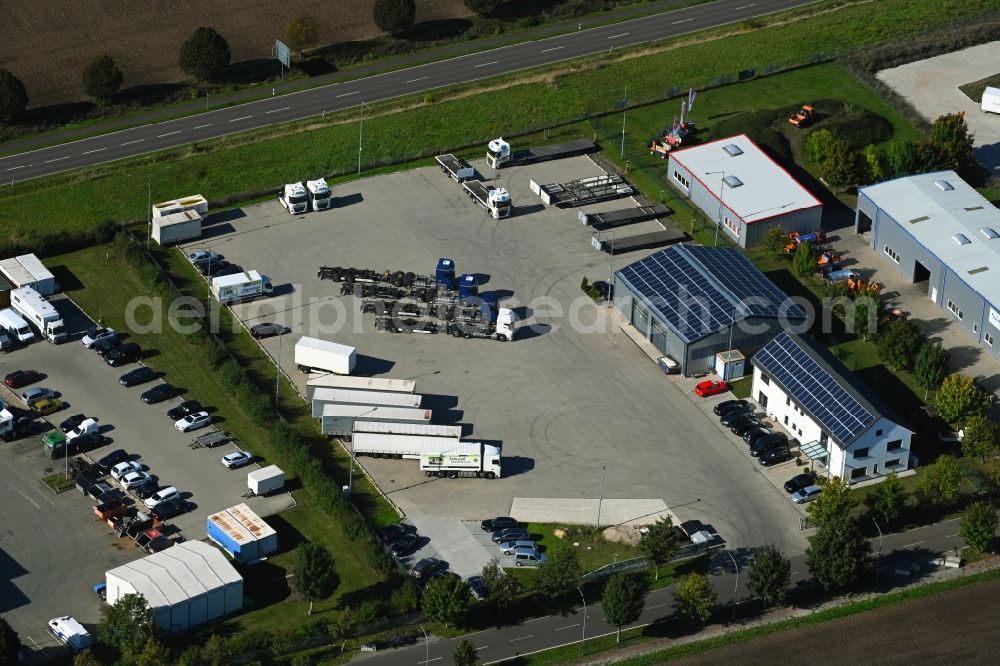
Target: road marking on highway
(349,94)
(736,9)
(56,159)
(136,141)
(242,118)
(429,660)
(95,150)
(168,134)
(914,544)
(511,640)
(657,605)
(554,48)
(422,78)
(201,126)
(952,535)
(624,34)
(681,21)
(17,167)
(568,627)
(284,108)
(482,647)
(486,63)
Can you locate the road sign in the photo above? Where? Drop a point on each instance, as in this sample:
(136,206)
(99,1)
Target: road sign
(283,53)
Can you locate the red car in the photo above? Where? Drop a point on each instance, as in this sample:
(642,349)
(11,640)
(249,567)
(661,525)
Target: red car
(20,378)
(710,387)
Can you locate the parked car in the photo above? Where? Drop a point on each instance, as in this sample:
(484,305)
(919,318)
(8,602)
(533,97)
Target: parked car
(734,415)
(163,495)
(193,421)
(140,375)
(744,425)
(231,269)
(21,378)
(89,441)
(807,494)
(158,393)
(404,545)
(726,405)
(37,393)
(107,462)
(237,459)
(72,422)
(710,387)
(510,534)
(528,558)
(134,479)
(211,269)
(266,330)
(47,406)
(756,434)
(800,481)
(693,526)
(107,343)
(129,352)
(774,456)
(95,335)
(199,256)
(393,533)
(5,342)
(766,443)
(146,489)
(477,586)
(495,524)
(123,468)
(509,547)
(170,508)
(424,568)
(402,639)
(183,409)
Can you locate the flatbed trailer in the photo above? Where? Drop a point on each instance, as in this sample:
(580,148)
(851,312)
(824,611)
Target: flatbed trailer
(583,191)
(613,219)
(624,244)
(499,155)
(210,440)
(496,200)
(457,169)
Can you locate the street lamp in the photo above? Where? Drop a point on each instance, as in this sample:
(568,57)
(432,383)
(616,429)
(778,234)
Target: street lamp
(611,271)
(427,646)
(583,638)
(878,561)
(736,589)
(149,210)
(350,475)
(722,185)
(601,500)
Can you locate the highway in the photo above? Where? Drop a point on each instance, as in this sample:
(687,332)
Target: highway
(496,645)
(317,101)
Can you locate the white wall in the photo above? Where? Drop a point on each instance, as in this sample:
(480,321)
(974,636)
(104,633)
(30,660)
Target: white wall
(784,411)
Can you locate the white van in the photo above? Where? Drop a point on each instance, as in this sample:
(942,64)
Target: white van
(991,100)
(70,632)
(12,322)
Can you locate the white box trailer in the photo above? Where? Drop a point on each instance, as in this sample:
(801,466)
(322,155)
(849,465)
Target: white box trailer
(28,270)
(241,287)
(195,202)
(425,430)
(441,456)
(312,354)
(266,480)
(991,100)
(177,227)
(324,396)
(338,420)
(392,445)
(385,384)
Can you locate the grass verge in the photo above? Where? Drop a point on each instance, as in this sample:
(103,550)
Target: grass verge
(58,482)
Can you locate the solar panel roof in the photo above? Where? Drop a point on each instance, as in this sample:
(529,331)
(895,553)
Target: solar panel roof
(702,290)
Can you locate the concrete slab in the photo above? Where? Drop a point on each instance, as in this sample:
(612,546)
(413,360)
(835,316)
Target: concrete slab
(590,511)
(453,542)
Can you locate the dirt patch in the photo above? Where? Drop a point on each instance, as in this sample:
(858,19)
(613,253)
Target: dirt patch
(47,42)
(629,534)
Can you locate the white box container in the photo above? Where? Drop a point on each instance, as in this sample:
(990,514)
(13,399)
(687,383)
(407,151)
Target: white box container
(313,354)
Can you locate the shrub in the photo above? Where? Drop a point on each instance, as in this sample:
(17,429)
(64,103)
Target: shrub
(482,7)
(857,130)
(104,231)
(13,97)
(392,16)
(102,78)
(204,55)
(231,375)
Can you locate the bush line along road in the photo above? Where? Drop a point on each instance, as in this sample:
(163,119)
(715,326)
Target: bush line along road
(464,69)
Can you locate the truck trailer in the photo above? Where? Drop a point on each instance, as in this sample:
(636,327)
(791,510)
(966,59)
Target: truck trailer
(320,197)
(39,313)
(372,399)
(315,355)
(241,287)
(294,198)
(338,420)
(496,200)
(266,480)
(499,155)
(438,456)
(623,244)
(15,326)
(457,169)
(177,227)
(385,384)
(613,219)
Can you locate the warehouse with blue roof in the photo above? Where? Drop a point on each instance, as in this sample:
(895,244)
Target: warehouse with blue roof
(693,302)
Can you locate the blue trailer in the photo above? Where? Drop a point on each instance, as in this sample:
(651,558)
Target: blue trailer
(242,533)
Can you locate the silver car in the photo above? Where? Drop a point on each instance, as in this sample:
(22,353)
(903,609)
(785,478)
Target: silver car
(509,547)
(807,494)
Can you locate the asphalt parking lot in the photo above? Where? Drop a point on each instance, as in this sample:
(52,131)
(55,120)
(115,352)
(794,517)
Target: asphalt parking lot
(53,547)
(567,402)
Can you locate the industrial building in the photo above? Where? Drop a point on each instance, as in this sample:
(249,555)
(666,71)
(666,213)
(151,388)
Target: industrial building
(27,270)
(936,230)
(242,533)
(837,419)
(693,302)
(746,192)
(186,585)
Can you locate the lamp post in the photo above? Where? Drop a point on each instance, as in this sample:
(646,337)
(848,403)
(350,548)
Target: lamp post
(361,130)
(624,106)
(583,638)
(350,475)
(737,587)
(878,560)
(149,210)
(427,646)
(611,270)
(601,500)
(722,185)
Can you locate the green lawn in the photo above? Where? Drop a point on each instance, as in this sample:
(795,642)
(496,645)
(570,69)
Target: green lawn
(593,551)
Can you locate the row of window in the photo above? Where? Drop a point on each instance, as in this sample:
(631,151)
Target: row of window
(892,254)
(894,445)
(861,472)
(685,183)
(955,309)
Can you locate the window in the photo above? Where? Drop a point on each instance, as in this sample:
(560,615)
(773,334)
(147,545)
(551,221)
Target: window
(788,399)
(859,473)
(878,433)
(894,445)
(823,438)
(794,428)
(892,463)
(762,399)
(954,308)
(975,327)
(861,453)
(732,226)
(764,378)
(682,180)
(988,338)
(786,419)
(892,254)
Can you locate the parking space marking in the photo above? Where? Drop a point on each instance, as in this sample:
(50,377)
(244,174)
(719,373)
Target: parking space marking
(429,660)
(27,498)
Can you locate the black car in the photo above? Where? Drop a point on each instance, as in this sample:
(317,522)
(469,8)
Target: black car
(158,393)
(140,375)
(123,354)
(146,489)
(478,587)
(211,270)
(779,454)
(231,269)
(107,462)
(393,533)
(741,427)
(510,534)
(72,422)
(170,508)
(89,441)
(800,481)
(735,414)
(693,526)
(404,545)
(767,443)
(727,405)
(754,435)
(268,329)
(495,524)
(401,640)
(424,568)
(183,409)
(105,345)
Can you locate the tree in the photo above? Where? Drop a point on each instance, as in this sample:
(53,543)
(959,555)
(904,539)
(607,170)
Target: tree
(931,366)
(128,624)
(843,168)
(623,599)
(154,653)
(314,574)
(392,16)
(979,525)
(446,600)
(501,589)
(838,553)
(772,245)
(695,598)
(769,576)
(819,145)
(483,7)
(10,643)
(941,481)
(660,543)
(874,164)
(864,314)
(979,438)
(951,134)
(959,399)
(804,260)
(13,97)
(901,159)
(835,501)
(85,658)
(204,55)
(886,502)
(898,344)
(466,654)
(559,573)
(300,33)
(102,78)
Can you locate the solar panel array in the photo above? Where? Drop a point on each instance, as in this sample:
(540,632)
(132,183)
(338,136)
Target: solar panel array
(814,388)
(698,290)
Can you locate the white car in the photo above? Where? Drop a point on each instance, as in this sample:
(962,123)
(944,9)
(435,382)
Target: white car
(37,393)
(193,421)
(92,339)
(123,468)
(237,459)
(167,493)
(807,494)
(134,480)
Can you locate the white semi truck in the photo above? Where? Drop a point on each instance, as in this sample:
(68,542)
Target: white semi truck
(315,355)
(502,328)
(337,419)
(15,326)
(39,313)
(295,198)
(496,200)
(499,154)
(241,287)
(437,447)
(320,197)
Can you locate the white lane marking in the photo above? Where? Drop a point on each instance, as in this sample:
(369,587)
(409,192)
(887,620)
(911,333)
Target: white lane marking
(681,21)
(136,141)
(952,535)
(624,34)
(485,64)
(241,118)
(522,638)
(284,108)
(349,94)
(736,9)
(168,134)
(429,660)
(201,126)
(95,150)
(554,48)
(568,627)
(914,544)
(17,167)
(56,159)
(482,647)
(27,498)
(658,605)
(422,78)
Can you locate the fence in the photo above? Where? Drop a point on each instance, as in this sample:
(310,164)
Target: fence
(685,553)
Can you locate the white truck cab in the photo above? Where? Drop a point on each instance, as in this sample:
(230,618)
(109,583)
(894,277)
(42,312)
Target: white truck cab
(319,194)
(497,153)
(295,198)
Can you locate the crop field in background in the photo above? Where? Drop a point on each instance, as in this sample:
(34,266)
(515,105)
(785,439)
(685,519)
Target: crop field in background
(46,42)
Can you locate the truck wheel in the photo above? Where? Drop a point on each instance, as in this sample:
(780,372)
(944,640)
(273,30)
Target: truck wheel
(467,336)
(452,475)
(491,475)
(428,474)
(456,334)
(502,338)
